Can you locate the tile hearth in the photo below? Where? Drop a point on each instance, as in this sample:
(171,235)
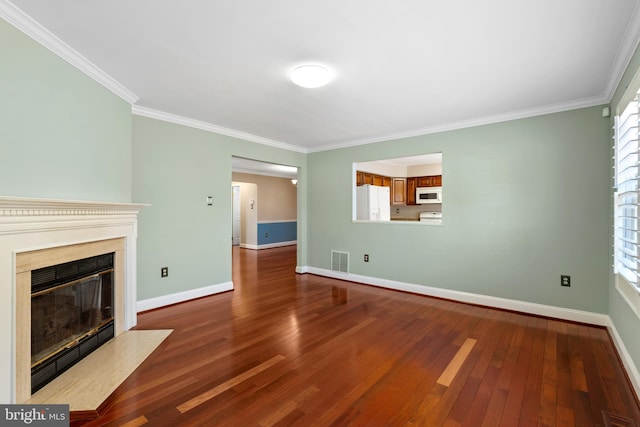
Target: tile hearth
(86,385)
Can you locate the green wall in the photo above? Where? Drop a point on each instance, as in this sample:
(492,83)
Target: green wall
(524,202)
(175,169)
(62,135)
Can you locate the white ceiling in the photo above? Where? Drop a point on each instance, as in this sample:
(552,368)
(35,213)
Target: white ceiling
(401,68)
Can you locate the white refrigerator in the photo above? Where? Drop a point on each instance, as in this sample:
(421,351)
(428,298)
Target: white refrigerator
(373,203)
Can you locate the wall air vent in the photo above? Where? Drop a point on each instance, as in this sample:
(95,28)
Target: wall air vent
(340,261)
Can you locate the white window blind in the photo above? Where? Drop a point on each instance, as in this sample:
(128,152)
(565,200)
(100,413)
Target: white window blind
(626,168)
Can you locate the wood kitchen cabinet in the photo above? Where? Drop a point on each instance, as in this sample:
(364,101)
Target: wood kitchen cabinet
(398,191)
(367,178)
(411,191)
(363,178)
(429,181)
(403,190)
(423,181)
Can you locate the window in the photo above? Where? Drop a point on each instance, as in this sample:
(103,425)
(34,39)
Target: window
(626,193)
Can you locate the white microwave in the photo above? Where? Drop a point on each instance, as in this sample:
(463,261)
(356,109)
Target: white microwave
(428,195)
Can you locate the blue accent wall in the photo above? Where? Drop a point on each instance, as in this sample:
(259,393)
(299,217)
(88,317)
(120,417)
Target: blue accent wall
(277,232)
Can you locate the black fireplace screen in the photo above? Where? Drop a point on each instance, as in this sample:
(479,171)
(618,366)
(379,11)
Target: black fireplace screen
(71,313)
(65,313)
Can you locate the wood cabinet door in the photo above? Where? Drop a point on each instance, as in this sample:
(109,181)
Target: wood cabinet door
(386,181)
(359,178)
(411,191)
(367,178)
(377,180)
(424,181)
(429,181)
(398,191)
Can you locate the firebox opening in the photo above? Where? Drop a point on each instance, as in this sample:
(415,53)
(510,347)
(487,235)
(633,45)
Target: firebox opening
(71,314)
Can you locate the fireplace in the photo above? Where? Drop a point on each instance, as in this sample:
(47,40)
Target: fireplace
(37,234)
(71,314)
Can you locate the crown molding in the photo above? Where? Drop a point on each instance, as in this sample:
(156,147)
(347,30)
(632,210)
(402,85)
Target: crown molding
(623,57)
(486,120)
(197,124)
(480,121)
(23,22)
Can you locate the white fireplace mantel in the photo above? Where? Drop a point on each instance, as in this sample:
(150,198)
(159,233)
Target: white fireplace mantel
(29,224)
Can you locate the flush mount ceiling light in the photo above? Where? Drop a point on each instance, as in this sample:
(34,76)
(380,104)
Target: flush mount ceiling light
(310,76)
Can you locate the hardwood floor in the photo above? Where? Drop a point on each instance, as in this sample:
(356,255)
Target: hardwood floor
(286,349)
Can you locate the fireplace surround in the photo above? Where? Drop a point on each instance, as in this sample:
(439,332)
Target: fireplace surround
(38,233)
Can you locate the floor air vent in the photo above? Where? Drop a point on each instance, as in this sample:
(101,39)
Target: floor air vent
(340,261)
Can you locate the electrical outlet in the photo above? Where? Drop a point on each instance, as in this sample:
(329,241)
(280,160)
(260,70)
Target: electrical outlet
(164,271)
(266,234)
(565,280)
(366,257)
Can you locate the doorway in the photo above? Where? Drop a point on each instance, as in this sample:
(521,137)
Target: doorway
(264,204)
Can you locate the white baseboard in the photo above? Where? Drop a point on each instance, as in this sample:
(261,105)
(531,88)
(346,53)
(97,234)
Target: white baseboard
(157,302)
(268,245)
(302,269)
(627,361)
(467,297)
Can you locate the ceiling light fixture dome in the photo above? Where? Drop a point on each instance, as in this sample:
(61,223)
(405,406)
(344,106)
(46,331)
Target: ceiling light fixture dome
(310,76)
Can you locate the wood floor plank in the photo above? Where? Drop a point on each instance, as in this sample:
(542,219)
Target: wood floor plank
(548,396)
(492,337)
(456,363)
(531,404)
(596,393)
(451,395)
(565,415)
(288,407)
(513,336)
(141,420)
(210,394)
(286,349)
(579,392)
(512,414)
